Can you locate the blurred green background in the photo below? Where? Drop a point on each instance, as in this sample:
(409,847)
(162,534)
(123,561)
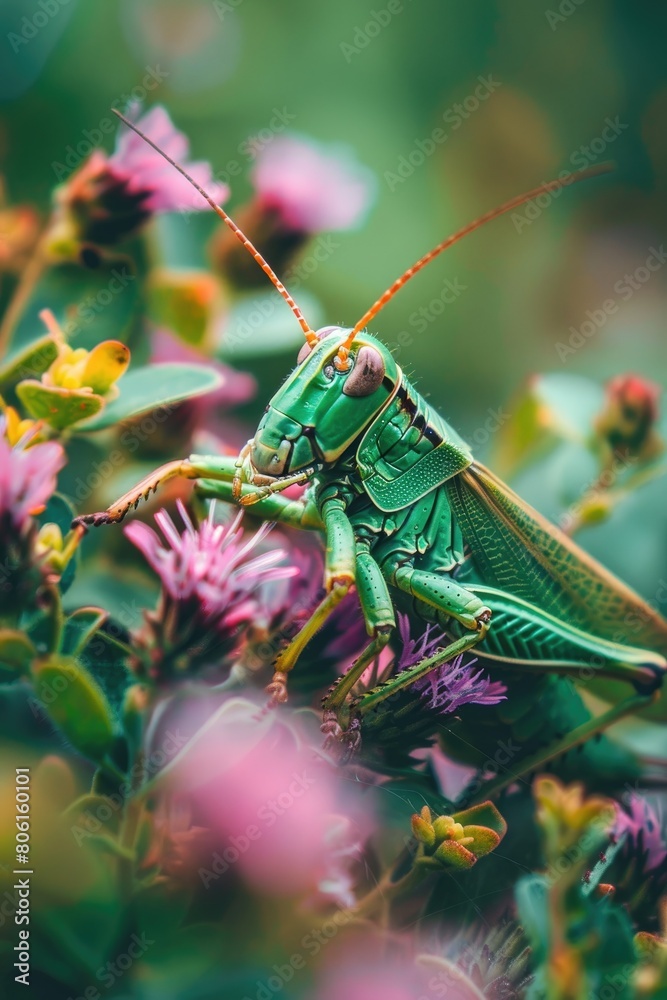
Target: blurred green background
(559,72)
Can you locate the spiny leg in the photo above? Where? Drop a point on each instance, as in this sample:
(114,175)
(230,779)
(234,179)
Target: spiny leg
(339,576)
(378,611)
(212,467)
(440,592)
(408,677)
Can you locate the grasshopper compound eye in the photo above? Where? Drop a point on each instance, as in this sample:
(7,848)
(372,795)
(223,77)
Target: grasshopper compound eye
(367,373)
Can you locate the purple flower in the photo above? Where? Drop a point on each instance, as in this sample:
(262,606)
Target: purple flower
(209,567)
(109,197)
(146,173)
(451,685)
(644,829)
(27,479)
(312,187)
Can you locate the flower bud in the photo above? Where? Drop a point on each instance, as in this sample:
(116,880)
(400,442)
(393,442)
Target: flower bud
(627,421)
(457,841)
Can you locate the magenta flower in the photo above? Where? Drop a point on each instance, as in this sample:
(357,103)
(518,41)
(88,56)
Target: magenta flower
(146,173)
(312,187)
(27,479)
(109,197)
(257,782)
(643,826)
(343,851)
(211,589)
(209,565)
(451,685)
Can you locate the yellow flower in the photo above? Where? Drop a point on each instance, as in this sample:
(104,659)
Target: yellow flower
(15,427)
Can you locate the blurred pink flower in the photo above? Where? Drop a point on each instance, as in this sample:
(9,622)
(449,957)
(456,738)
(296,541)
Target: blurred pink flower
(108,198)
(144,172)
(312,187)
(207,570)
(259,783)
(342,852)
(237,387)
(369,966)
(644,828)
(27,479)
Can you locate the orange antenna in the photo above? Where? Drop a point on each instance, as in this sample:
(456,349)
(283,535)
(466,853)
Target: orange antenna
(341,359)
(309,334)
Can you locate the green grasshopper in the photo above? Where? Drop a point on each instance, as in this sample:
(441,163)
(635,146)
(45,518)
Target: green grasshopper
(411,520)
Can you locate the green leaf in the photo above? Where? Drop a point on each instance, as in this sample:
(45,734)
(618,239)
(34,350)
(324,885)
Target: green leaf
(102,813)
(454,855)
(91,304)
(76,703)
(60,408)
(261,324)
(531,895)
(484,814)
(184,300)
(485,840)
(79,628)
(16,650)
(151,387)
(29,361)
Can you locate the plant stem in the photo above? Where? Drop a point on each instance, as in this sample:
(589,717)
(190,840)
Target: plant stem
(386,891)
(29,278)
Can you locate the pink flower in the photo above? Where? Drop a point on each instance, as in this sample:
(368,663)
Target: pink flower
(258,782)
(27,479)
(644,829)
(236,387)
(110,197)
(451,685)
(207,570)
(148,174)
(370,965)
(312,187)
(342,852)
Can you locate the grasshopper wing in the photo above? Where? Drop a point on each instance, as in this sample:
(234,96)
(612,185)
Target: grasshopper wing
(519,551)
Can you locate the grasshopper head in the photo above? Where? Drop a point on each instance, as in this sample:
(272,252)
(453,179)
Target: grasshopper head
(321,410)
